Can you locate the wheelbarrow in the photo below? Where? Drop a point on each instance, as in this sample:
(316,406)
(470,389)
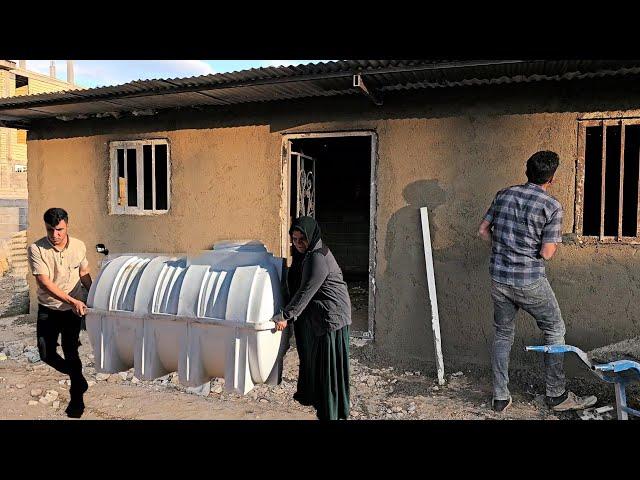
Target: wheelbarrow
(620,373)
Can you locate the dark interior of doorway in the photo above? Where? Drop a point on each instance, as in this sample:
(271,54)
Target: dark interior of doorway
(343,172)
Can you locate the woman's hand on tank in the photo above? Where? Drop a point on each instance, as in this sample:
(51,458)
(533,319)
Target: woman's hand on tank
(280,322)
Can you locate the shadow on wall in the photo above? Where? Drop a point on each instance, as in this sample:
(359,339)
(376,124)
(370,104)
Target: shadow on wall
(404,319)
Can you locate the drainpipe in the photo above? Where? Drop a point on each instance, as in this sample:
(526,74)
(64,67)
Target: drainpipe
(70,72)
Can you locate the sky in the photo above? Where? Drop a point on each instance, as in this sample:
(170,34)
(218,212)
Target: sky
(97,73)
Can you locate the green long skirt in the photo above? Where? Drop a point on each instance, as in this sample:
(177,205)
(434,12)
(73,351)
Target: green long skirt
(329,386)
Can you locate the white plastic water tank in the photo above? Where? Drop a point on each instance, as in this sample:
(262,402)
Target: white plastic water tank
(204,317)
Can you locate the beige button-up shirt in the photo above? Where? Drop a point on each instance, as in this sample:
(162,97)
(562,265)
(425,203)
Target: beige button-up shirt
(62,267)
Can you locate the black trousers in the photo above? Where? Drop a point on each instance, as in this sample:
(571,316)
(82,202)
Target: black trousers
(57,323)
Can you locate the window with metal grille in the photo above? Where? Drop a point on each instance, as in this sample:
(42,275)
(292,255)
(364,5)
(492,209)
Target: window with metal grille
(140,177)
(607,180)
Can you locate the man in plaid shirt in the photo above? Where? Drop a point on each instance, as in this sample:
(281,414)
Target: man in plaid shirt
(524,225)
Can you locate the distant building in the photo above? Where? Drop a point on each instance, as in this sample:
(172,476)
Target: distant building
(16,80)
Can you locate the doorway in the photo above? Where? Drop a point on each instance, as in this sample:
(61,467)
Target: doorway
(331,178)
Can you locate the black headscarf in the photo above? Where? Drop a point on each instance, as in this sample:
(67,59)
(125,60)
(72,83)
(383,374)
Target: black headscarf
(310,228)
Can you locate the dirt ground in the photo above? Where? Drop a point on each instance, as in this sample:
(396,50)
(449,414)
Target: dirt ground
(36,391)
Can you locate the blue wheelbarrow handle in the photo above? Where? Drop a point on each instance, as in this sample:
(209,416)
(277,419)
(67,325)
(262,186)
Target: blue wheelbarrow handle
(619,366)
(553,348)
(562,349)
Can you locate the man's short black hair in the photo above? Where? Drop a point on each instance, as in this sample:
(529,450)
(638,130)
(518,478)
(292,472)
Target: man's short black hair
(541,166)
(54,216)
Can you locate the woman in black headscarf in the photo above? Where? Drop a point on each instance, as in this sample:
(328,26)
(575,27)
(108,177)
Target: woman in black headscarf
(320,310)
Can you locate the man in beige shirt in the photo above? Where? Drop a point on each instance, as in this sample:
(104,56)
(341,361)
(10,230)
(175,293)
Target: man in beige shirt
(59,264)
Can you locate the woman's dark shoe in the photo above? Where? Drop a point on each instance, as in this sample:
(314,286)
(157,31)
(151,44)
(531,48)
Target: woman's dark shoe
(302,399)
(78,386)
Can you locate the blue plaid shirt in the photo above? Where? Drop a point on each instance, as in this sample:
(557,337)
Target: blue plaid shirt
(523,217)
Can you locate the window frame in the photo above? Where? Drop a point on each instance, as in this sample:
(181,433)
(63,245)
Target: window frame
(114,208)
(583,124)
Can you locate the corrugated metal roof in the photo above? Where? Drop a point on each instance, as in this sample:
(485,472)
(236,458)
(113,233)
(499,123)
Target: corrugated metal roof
(298,81)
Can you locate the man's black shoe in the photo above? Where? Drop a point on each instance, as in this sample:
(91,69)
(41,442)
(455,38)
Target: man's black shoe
(75,409)
(501,405)
(553,401)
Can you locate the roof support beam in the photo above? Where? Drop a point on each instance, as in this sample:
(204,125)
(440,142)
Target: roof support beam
(376,97)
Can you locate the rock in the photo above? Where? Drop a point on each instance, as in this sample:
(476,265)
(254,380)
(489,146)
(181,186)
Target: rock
(457,374)
(91,383)
(130,374)
(102,376)
(33,402)
(91,356)
(135,380)
(175,380)
(411,408)
(395,380)
(358,342)
(123,375)
(56,404)
(435,388)
(15,349)
(62,382)
(408,374)
(3,357)
(36,392)
(120,405)
(217,389)
(45,401)
(52,395)
(354,414)
(263,400)
(114,378)
(32,357)
(371,381)
(203,390)
(20,385)
(483,405)
(396,409)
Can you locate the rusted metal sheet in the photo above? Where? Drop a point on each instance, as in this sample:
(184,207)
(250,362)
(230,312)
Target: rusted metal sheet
(300,81)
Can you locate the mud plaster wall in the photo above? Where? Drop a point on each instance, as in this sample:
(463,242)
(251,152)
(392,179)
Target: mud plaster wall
(219,190)
(447,150)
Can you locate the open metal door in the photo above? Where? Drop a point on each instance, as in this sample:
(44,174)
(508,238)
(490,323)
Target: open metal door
(305,180)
